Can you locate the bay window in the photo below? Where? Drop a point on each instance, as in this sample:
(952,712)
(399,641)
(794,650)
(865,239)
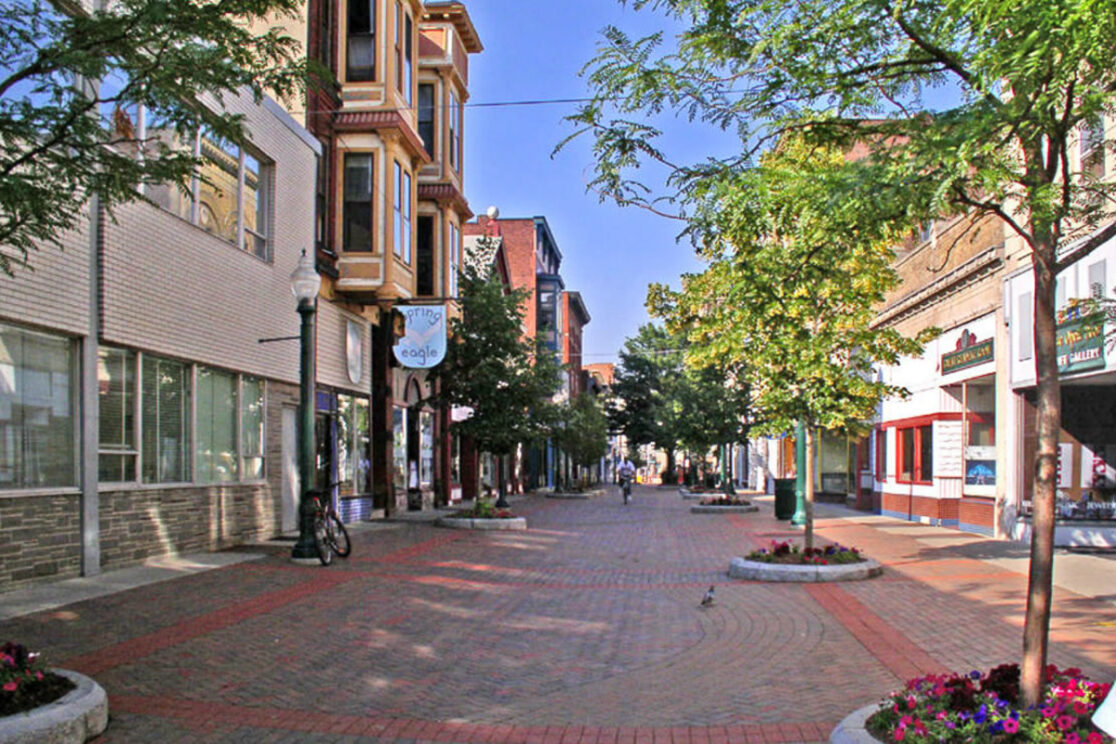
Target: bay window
(426,117)
(454,258)
(360,49)
(357,206)
(401,208)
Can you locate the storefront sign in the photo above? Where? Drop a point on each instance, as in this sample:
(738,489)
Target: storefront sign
(1080,345)
(424,342)
(969,353)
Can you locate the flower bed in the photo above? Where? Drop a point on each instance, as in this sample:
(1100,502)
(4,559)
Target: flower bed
(25,681)
(483,516)
(723,505)
(788,553)
(484,510)
(981,708)
(725,501)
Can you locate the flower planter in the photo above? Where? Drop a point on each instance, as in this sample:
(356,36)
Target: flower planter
(573,494)
(77,716)
(688,494)
(851,729)
(731,509)
(740,568)
(469,523)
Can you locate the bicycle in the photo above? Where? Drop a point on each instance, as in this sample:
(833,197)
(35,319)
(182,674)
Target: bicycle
(626,488)
(330,535)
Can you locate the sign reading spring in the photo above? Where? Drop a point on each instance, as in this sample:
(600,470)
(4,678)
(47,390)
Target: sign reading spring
(424,342)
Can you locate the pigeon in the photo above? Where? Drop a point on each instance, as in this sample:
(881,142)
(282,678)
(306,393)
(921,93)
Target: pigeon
(707,600)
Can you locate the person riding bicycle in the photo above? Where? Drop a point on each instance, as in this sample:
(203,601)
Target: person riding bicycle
(626,470)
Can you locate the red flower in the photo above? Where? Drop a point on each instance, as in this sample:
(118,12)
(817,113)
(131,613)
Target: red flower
(900,734)
(1065,723)
(11,686)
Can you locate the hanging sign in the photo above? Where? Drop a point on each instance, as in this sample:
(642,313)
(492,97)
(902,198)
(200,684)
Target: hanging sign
(1080,344)
(424,342)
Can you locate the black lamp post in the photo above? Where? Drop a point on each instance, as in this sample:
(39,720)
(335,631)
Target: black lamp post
(305,283)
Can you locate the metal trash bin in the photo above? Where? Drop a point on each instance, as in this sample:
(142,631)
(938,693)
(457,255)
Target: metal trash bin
(785,497)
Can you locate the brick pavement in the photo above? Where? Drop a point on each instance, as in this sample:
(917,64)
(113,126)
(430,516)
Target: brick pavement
(584,629)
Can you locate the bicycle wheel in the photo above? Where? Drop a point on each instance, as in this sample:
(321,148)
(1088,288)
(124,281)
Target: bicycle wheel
(338,535)
(321,541)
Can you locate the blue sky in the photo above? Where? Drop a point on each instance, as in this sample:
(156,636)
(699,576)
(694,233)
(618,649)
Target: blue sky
(533,51)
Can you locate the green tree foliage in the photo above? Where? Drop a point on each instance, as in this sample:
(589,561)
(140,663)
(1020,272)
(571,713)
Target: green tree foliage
(1029,76)
(583,431)
(71,84)
(507,380)
(644,406)
(788,298)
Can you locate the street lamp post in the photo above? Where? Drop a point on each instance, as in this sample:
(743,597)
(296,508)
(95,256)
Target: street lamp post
(305,283)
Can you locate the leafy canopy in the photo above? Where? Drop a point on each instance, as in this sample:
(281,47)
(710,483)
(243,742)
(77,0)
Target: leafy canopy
(71,84)
(506,379)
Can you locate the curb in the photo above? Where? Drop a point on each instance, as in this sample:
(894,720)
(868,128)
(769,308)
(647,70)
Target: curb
(759,571)
(464,523)
(77,716)
(851,729)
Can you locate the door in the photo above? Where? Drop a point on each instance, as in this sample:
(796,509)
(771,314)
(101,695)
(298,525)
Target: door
(290,469)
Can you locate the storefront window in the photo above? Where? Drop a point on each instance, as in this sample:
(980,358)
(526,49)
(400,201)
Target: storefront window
(37,421)
(881,454)
(116,393)
(426,423)
(399,448)
(455,460)
(216,450)
(916,454)
(252,427)
(354,468)
(164,420)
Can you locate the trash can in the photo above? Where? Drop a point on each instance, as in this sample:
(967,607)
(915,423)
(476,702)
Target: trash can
(784,497)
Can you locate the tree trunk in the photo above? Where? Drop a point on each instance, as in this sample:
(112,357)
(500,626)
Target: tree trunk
(811,444)
(1036,628)
(671,464)
(501,499)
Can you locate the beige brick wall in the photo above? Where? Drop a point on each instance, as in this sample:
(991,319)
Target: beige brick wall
(60,274)
(173,288)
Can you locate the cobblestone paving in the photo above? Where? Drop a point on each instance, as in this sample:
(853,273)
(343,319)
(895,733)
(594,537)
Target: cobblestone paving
(586,628)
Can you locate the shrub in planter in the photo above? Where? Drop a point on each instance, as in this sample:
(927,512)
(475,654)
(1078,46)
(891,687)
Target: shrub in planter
(484,510)
(788,552)
(725,501)
(25,681)
(981,708)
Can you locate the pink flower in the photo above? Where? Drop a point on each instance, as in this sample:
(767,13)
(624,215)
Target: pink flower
(38,675)
(1080,707)
(1072,738)
(1065,723)
(900,734)
(11,686)
(1095,738)
(919,727)
(1048,712)
(1011,725)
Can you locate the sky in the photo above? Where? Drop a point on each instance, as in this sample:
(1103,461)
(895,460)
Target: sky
(532,51)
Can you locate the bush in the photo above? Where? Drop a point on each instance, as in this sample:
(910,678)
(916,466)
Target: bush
(982,708)
(484,510)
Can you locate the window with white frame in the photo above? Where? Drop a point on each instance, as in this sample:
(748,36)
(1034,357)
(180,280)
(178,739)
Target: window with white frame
(252,423)
(117,450)
(164,420)
(38,417)
(215,451)
(401,207)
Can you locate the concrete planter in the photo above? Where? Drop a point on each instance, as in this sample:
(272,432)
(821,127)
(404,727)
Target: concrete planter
(710,509)
(77,716)
(759,571)
(851,730)
(573,494)
(688,494)
(467,523)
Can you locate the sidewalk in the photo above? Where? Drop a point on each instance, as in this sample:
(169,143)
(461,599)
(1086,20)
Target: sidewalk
(585,628)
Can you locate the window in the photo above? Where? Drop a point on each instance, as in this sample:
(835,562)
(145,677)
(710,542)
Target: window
(1097,280)
(163,414)
(354,446)
(37,413)
(215,428)
(454,132)
(357,211)
(454,258)
(881,454)
(360,50)
(231,195)
(321,201)
(426,448)
(926,231)
(426,116)
(404,53)
(116,386)
(399,447)
(1092,146)
(424,256)
(916,454)
(252,424)
(402,209)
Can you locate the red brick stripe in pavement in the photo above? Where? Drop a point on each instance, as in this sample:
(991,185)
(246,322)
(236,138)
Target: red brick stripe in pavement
(893,649)
(386,727)
(145,645)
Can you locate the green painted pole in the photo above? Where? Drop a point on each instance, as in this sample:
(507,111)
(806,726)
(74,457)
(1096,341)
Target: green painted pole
(305,549)
(799,517)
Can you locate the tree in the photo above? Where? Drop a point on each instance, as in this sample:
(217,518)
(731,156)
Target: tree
(795,271)
(1029,76)
(714,407)
(645,407)
(583,433)
(506,379)
(71,86)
